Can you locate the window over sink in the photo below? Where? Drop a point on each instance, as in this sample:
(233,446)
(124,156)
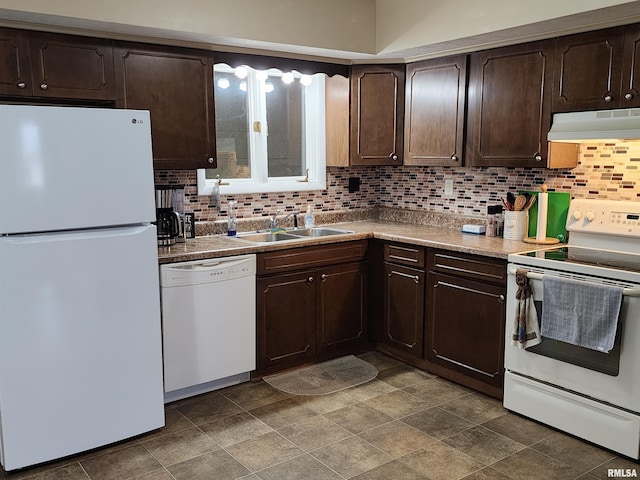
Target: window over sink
(270,132)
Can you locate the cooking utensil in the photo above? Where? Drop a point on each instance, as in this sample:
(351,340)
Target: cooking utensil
(519,203)
(530,202)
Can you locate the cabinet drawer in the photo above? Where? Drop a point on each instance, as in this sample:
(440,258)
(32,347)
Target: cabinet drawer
(310,257)
(475,267)
(404,254)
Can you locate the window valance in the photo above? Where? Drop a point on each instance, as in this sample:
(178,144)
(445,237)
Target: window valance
(262,62)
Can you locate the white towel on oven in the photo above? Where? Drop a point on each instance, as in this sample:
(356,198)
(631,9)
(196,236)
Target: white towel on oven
(581,313)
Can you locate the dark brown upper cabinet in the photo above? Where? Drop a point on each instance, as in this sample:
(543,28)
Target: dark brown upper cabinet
(377,114)
(509,100)
(588,70)
(435,111)
(597,70)
(176,86)
(630,93)
(15,69)
(48,65)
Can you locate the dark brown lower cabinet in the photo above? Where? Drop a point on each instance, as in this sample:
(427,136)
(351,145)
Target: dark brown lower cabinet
(341,312)
(444,312)
(403,314)
(311,305)
(465,319)
(465,327)
(285,304)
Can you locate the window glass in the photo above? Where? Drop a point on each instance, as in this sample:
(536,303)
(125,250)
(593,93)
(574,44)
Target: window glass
(285,122)
(232,142)
(270,132)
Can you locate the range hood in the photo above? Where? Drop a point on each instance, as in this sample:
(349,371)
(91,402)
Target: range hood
(596,126)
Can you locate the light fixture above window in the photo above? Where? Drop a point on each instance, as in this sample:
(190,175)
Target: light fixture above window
(241,72)
(287,78)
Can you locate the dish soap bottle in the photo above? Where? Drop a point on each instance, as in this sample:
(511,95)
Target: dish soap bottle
(309,218)
(231,221)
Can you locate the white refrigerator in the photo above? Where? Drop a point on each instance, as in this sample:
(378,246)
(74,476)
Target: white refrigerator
(80,329)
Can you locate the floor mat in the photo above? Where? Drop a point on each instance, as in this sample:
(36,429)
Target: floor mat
(324,378)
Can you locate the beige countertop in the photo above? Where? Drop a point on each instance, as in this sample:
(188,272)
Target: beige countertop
(213,246)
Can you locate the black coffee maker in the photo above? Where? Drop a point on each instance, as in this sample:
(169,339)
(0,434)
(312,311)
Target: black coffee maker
(168,223)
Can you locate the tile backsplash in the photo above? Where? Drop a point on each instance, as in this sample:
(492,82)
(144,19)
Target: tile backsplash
(335,198)
(604,171)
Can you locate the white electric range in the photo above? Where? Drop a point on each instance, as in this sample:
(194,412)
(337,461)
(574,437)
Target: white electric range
(590,394)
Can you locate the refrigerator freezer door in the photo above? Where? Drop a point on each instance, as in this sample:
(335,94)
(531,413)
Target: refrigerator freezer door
(69,168)
(80,342)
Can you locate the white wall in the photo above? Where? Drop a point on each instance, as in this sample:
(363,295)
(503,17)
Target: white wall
(339,25)
(350,29)
(403,25)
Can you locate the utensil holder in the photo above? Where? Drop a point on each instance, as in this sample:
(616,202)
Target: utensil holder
(515,224)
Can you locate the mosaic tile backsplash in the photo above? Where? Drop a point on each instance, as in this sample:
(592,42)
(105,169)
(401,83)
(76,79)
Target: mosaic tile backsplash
(604,171)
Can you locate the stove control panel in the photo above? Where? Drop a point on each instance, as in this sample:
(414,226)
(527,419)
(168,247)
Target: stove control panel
(610,217)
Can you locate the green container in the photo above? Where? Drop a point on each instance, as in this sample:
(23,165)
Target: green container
(557,210)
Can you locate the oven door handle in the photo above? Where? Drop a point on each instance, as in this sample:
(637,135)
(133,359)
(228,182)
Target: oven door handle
(627,292)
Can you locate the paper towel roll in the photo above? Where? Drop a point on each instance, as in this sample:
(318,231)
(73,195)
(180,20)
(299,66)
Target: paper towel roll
(543,205)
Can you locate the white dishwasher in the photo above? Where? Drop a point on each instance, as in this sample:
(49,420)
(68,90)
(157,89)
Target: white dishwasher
(208,324)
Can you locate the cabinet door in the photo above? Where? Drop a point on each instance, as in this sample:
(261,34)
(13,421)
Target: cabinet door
(403,315)
(509,106)
(377,106)
(337,120)
(465,327)
(286,307)
(588,71)
(435,111)
(631,67)
(341,319)
(176,86)
(66,66)
(15,70)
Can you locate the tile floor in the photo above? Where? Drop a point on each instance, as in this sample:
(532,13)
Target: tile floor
(405,425)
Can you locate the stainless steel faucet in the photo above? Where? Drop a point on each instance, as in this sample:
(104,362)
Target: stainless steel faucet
(274,222)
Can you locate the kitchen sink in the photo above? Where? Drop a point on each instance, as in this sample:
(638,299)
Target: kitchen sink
(266,237)
(292,234)
(318,232)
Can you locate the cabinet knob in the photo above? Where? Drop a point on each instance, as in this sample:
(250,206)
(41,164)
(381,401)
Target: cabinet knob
(608,98)
(454,157)
(628,96)
(210,160)
(537,157)
(44,86)
(310,280)
(323,277)
(21,85)
(393,157)
(501,298)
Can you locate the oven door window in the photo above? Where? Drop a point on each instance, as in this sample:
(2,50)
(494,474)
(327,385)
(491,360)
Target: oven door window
(607,363)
